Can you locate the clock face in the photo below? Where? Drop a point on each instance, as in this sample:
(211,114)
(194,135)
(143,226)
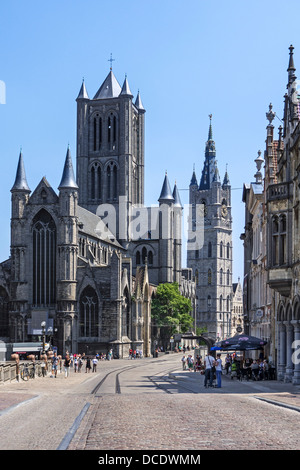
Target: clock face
(224,211)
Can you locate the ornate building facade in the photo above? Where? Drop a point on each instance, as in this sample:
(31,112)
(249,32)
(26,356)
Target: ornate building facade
(274,211)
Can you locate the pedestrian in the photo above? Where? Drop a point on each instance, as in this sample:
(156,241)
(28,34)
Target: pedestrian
(190,362)
(218,364)
(227,363)
(209,371)
(75,364)
(183,360)
(54,364)
(67,365)
(87,364)
(95,362)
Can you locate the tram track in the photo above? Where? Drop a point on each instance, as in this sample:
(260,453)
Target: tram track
(154,379)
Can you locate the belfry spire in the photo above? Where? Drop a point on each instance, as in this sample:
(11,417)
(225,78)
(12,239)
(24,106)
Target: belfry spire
(210,164)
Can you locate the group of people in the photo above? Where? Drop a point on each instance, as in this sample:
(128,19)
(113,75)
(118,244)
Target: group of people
(212,368)
(135,354)
(254,369)
(75,360)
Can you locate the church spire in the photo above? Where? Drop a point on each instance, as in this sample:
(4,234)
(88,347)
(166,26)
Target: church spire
(209,169)
(68,178)
(20,183)
(166,192)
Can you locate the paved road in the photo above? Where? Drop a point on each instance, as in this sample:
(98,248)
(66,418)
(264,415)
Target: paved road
(147,404)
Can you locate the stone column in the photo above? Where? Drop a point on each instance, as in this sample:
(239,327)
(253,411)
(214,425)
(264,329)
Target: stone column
(281,351)
(289,341)
(296,357)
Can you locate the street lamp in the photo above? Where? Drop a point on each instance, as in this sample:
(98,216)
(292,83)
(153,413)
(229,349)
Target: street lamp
(43,325)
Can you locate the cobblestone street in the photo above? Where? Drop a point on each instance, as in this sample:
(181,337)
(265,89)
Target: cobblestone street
(147,405)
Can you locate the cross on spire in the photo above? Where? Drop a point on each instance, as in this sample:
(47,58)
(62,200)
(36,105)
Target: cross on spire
(111,60)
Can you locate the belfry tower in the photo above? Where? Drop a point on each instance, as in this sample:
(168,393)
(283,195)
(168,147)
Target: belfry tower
(211,256)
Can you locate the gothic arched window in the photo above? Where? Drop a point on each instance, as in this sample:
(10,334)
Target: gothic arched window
(44,259)
(209,251)
(88,313)
(96,182)
(112,181)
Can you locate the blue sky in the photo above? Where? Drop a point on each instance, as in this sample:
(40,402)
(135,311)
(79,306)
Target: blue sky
(188,58)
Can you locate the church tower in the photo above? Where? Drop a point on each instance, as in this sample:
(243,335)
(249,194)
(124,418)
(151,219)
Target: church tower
(110,151)
(209,251)
(67,250)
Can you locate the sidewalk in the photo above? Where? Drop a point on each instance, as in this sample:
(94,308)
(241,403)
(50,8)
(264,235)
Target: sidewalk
(15,393)
(272,391)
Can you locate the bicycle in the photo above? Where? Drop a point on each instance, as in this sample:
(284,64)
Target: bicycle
(26,373)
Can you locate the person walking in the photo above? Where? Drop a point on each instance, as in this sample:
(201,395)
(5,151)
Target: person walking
(209,372)
(54,365)
(87,365)
(67,365)
(218,363)
(95,362)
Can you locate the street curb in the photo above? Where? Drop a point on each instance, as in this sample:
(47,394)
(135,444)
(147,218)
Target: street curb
(278,403)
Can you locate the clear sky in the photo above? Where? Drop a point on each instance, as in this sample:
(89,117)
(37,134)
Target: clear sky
(188,58)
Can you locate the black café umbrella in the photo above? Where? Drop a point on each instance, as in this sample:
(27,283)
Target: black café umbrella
(240,342)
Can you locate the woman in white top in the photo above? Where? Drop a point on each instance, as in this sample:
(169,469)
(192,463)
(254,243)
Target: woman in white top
(218,364)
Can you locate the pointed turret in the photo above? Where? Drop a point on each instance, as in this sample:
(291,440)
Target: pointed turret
(83,95)
(226,181)
(194,181)
(138,102)
(20,183)
(209,169)
(68,178)
(176,197)
(166,195)
(110,88)
(125,88)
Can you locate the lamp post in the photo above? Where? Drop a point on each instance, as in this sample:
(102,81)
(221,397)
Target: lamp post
(43,325)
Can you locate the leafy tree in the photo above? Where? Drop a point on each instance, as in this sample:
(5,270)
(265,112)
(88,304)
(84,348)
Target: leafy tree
(170,311)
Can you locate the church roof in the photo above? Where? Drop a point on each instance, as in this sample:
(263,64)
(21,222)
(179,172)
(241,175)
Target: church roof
(166,192)
(20,183)
(110,88)
(94,226)
(68,178)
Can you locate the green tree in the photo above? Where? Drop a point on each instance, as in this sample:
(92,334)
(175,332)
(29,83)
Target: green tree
(170,311)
